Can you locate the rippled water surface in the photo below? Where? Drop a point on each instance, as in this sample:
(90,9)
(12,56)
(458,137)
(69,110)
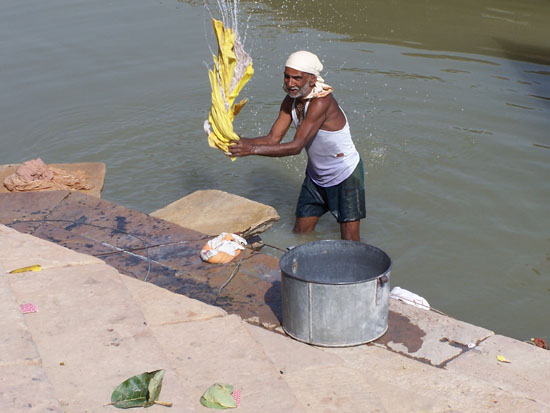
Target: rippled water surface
(449,106)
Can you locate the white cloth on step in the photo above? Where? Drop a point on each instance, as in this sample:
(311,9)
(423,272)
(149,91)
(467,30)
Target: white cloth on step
(408,297)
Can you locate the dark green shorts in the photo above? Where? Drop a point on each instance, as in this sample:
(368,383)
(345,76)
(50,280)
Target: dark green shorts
(346,201)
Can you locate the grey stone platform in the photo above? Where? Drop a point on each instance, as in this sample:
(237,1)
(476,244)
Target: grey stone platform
(95,327)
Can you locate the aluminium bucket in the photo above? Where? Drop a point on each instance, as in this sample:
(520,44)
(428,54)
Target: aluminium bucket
(335,293)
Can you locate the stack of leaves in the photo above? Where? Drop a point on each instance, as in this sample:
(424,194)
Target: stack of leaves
(232,69)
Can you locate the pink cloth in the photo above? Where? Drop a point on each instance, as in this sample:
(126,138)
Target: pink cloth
(35,175)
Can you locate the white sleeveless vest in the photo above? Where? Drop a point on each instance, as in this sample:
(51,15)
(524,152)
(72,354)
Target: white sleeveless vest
(332,156)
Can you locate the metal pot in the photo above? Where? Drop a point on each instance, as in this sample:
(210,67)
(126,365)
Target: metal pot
(335,293)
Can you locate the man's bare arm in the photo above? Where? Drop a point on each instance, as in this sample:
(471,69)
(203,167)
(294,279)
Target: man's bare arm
(279,128)
(308,129)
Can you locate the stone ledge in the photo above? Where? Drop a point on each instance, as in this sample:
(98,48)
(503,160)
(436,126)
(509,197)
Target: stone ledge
(528,370)
(404,384)
(16,344)
(27,389)
(427,335)
(222,350)
(213,212)
(25,250)
(161,306)
(91,335)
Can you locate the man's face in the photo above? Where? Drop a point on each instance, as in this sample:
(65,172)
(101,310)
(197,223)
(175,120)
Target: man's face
(298,84)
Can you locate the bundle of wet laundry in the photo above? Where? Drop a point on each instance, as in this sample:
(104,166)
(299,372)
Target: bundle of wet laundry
(232,69)
(35,175)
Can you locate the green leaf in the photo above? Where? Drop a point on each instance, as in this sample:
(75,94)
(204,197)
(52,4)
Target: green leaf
(218,396)
(155,386)
(142,390)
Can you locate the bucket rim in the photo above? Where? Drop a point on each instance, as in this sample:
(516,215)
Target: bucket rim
(335,241)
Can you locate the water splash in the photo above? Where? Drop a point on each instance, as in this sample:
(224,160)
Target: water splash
(231,71)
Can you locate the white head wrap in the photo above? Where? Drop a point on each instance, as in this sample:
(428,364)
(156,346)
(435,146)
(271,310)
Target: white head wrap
(308,62)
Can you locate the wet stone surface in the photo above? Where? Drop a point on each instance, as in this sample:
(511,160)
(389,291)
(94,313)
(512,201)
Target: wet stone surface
(150,249)
(25,227)
(24,206)
(68,239)
(167,255)
(102,219)
(401,330)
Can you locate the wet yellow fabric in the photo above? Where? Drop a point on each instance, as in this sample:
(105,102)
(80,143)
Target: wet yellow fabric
(223,109)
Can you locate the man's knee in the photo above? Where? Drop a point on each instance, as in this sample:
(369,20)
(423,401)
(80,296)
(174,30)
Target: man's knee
(304,225)
(350,230)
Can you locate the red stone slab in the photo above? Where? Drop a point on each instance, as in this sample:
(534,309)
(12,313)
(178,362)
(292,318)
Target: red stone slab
(246,294)
(190,287)
(24,227)
(98,234)
(138,267)
(185,258)
(402,330)
(50,231)
(141,268)
(252,297)
(94,217)
(163,253)
(28,205)
(181,256)
(265,267)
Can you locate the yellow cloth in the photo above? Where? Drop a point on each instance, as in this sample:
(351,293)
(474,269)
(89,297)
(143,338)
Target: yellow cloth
(223,109)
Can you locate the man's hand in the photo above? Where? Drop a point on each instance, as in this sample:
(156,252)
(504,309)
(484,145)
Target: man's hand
(241,148)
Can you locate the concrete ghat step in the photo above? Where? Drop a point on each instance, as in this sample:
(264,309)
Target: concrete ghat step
(221,350)
(206,346)
(91,336)
(528,369)
(319,379)
(428,336)
(396,378)
(89,333)
(161,307)
(24,385)
(88,322)
(340,379)
(21,250)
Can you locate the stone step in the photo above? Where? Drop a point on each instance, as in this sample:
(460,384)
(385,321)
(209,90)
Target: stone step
(527,369)
(317,378)
(377,379)
(92,336)
(207,346)
(433,389)
(200,211)
(96,327)
(146,247)
(24,385)
(88,331)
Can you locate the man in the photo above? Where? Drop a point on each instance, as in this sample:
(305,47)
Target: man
(334,174)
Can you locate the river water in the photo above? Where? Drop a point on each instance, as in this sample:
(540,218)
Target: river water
(449,105)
